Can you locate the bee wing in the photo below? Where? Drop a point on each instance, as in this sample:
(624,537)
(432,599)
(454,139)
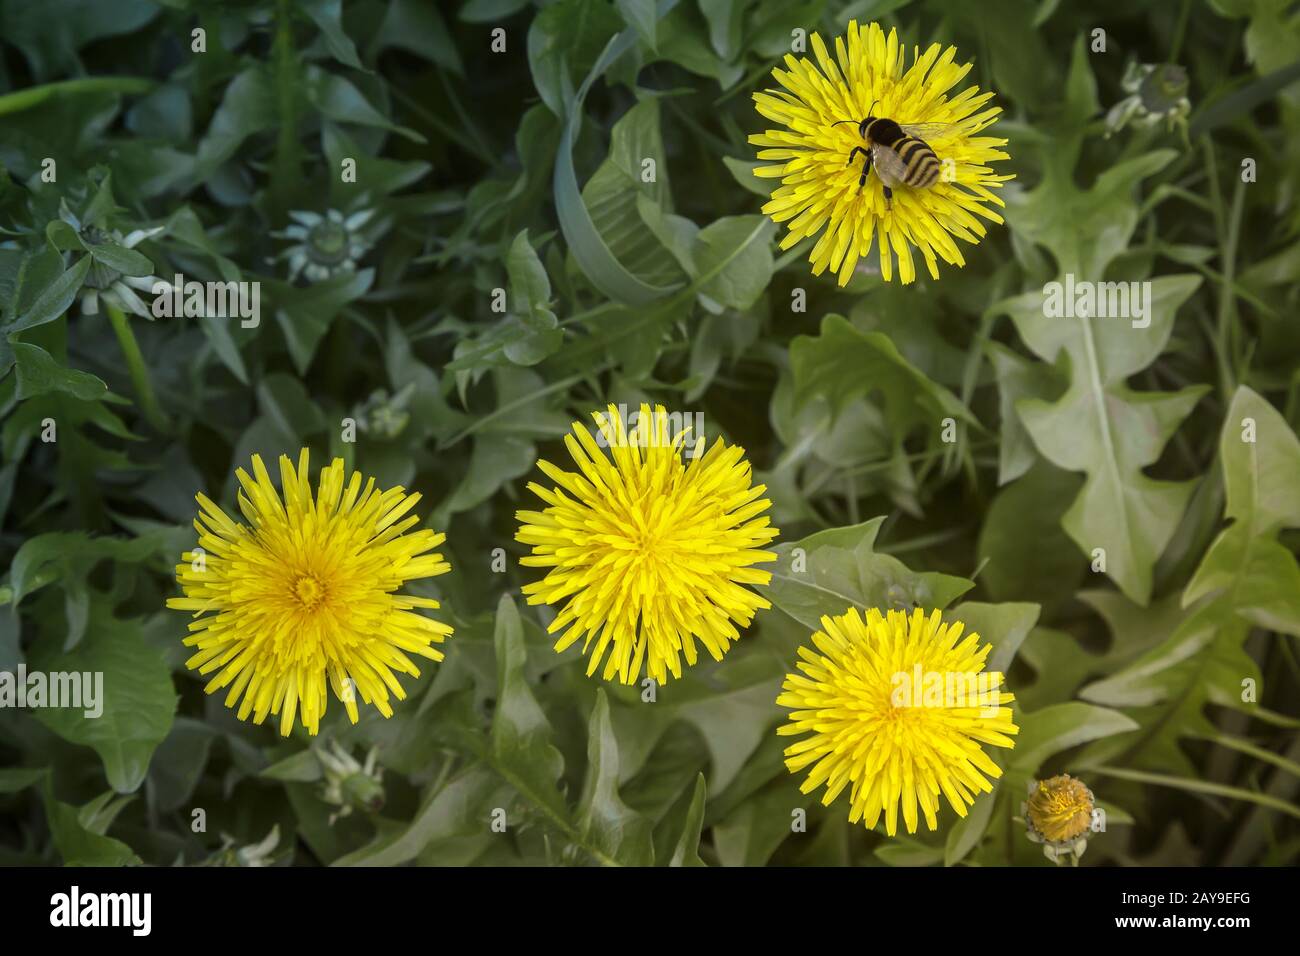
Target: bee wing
(929,131)
(888,164)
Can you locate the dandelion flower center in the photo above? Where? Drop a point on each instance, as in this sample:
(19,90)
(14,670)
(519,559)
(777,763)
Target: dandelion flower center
(649,548)
(896,708)
(309,591)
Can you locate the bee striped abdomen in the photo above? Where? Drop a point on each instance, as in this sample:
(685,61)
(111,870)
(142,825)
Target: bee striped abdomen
(922,164)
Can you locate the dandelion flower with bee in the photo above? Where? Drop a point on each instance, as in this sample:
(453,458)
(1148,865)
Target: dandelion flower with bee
(870,151)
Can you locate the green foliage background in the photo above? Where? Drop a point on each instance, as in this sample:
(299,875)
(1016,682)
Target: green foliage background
(521,170)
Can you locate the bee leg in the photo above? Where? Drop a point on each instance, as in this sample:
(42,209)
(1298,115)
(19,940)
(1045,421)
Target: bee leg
(866,167)
(889,198)
(866,164)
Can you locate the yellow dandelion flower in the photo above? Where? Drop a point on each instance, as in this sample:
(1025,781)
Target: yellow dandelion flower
(304,595)
(648,553)
(897,708)
(820,170)
(1059,810)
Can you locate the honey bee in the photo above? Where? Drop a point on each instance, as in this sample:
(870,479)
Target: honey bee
(898,153)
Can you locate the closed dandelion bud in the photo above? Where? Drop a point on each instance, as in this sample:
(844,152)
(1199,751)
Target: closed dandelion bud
(107,285)
(1164,89)
(385,416)
(348,784)
(363,793)
(1157,93)
(1058,814)
(253,855)
(325,245)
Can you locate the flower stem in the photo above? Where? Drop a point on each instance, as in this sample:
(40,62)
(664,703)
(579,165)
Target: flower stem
(136,368)
(1180,31)
(285,168)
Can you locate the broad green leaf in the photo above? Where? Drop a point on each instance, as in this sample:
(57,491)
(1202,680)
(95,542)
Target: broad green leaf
(418,26)
(302,767)
(737,252)
(565,40)
(1024,551)
(247,108)
(530,287)
(39,374)
(327,15)
(642,16)
(49,37)
(305,315)
(1047,732)
(1203,786)
(604,819)
(1166,689)
(78,844)
(1261,471)
(1019,378)
(1084,229)
(1060,665)
(338,99)
(967,832)
(35,273)
(495,460)
(743,171)
(634,173)
(119,258)
(725,23)
(1109,431)
(522,750)
(1100,426)
(137,702)
(70,556)
(749,835)
(683,39)
(831,571)
(283,399)
(53,300)
(733,710)
(14,779)
(844,364)
(909,851)
(178,764)
(1002,626)
(537,334)
(461,807)
(593,256)
(1246,578)
(686,827)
